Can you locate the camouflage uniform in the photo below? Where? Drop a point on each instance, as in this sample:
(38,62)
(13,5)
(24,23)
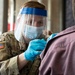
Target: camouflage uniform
(10,48)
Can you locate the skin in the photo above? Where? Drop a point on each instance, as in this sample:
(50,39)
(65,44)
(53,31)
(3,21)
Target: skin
(21,61)
(36,20)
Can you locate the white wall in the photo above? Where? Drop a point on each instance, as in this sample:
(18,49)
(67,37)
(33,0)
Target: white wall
(19,3)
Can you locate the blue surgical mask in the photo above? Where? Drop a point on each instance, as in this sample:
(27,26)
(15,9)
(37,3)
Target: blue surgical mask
(32,32)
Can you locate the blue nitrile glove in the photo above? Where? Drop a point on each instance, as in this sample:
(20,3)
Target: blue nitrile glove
(51,36)
(35,48)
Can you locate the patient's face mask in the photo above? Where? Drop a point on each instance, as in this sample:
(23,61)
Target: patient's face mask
(30,23)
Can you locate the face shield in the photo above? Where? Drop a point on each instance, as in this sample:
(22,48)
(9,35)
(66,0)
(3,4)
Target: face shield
(30,23)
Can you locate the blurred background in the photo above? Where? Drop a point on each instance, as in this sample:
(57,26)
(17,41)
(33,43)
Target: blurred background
(9,10)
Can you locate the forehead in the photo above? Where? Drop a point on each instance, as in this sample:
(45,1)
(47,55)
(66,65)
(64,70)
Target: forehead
(36,17)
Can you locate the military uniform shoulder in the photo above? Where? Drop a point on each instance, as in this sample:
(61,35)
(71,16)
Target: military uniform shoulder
(6,35)
(9,45)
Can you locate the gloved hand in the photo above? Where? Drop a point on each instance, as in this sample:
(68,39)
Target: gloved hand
(51,36)
(35,48)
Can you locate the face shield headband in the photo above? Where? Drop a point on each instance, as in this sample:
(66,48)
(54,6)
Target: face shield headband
(22,28)
(34,11)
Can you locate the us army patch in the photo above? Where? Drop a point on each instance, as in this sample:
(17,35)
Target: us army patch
(2,46)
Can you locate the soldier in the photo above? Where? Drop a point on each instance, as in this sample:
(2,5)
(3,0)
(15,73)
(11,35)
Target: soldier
(18,49)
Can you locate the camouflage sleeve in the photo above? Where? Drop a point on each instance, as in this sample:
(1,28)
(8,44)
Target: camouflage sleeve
(9,67)
(9,46)
(31,68)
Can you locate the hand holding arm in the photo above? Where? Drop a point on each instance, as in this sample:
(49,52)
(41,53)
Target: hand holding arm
(35,48)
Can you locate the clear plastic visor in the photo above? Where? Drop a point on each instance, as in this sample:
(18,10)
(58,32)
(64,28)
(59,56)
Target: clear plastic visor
(29,24)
